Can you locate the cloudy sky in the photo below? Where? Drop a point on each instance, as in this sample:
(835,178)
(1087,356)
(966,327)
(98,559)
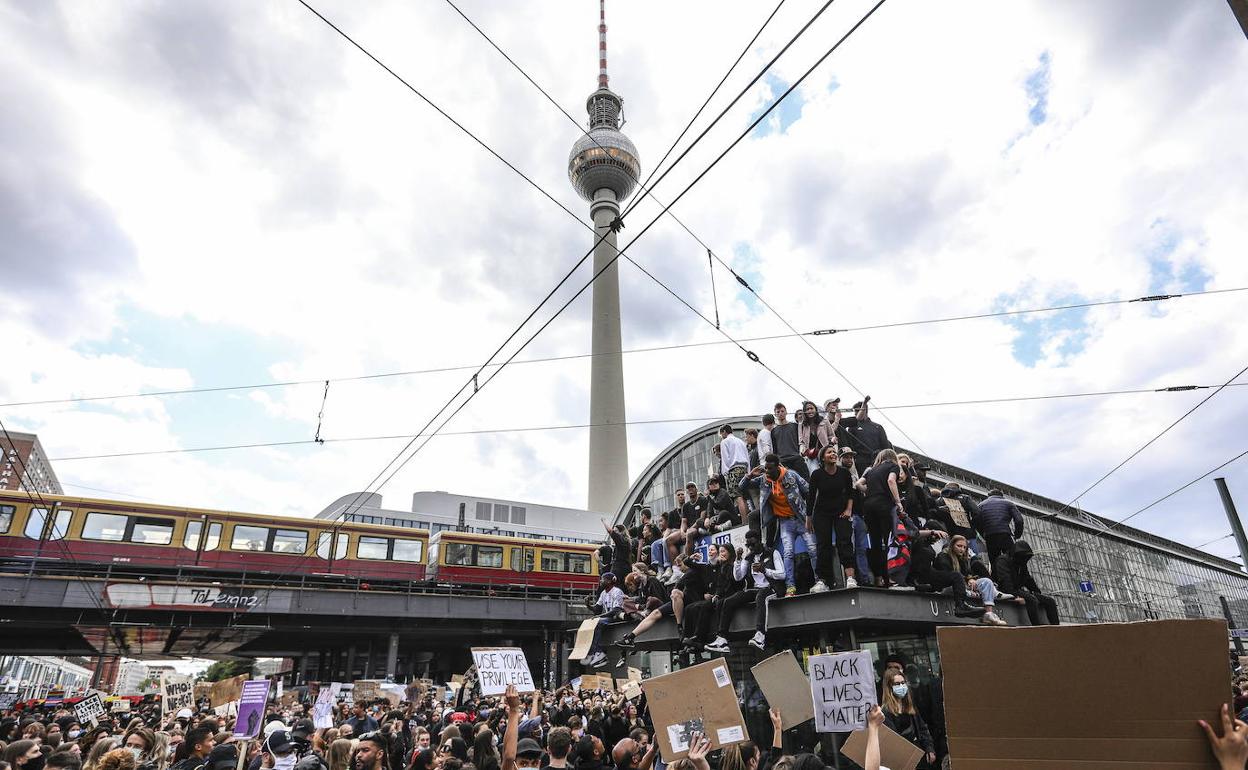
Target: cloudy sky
(210,193)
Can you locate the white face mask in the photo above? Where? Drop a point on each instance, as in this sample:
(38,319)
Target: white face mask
(284,763)
(73,734)
(137,752)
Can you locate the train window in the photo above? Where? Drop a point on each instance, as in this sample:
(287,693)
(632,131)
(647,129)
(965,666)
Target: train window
(459,554)
(105,526)
(152,531)
(489,556)
(249,538)
(6,517)
(578,563)
(289,541)
(60,525)
(408,550)
(372,548)
(322,546)
(35,523)
(191,538)
(214,537)
(522,559)
(553,561)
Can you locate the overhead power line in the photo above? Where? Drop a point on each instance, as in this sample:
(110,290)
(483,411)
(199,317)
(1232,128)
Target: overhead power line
(665,420)
(1227,536)
(575,356)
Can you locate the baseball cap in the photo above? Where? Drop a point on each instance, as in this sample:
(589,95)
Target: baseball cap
(527,746)
(846,450)
(278,742)
(273,727)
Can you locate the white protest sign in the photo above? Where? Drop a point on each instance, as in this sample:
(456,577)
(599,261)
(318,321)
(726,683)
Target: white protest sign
(842,690)
(121,706)
(89,709)
(176,693)
(498,667)
(323,710)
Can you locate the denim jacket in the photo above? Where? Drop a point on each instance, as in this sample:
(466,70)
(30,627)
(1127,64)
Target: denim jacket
(795,488)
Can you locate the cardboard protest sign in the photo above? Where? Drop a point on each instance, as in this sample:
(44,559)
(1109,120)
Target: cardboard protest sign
(634,674)
(588,682)
(226,690)
(323,709)
(121,706)
(786,687)
(697,699)
(499,667)
(584,638)
(842,690)
(393,692)
(957,512)
(202,690)
(89,709)
(176,693)
(251,704)
(366,690)
(896,753)
(1066,707)
(632,690)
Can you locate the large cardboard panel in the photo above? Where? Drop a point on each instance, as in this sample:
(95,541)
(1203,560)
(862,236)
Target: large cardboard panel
(226,690)
(786,687)
(1084,697)
(700,698)
(896,753)
(584,638)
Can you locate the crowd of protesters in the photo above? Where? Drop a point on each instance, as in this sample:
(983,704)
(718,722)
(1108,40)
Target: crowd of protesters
(834,485)
(554,730)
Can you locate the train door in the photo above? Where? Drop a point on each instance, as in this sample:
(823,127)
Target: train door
(202,538)
(47,525)
(522,557)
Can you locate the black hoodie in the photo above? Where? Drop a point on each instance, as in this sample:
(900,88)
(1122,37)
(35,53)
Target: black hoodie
(1011,573)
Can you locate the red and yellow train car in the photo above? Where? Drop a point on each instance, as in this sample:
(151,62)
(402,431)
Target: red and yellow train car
(464,558)
(105,532)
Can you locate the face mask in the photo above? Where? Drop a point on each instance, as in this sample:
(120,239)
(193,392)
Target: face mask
(284,763)
(900,690)
(34,764)
(137,752)
(73,734)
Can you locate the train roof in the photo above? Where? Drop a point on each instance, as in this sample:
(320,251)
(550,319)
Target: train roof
(474,537)
(272,519)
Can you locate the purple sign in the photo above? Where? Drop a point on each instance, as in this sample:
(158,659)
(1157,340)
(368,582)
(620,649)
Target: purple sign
(251,708)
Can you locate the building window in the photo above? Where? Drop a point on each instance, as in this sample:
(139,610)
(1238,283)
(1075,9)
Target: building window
(517,514)
(500,512)
(483,511)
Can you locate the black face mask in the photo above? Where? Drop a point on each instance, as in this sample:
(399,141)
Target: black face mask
(35,764)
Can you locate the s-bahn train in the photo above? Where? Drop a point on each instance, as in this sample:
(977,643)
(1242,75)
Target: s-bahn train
(57,532)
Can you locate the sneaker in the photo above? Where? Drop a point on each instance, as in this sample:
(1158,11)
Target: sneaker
(992,619)
(627,642)
(622,660)
(790,591)
(595,660)
(898,587)
(967,610)
(1003,596)
(665,574)
(758,641)
(851,583)
(719,645)
(819,587)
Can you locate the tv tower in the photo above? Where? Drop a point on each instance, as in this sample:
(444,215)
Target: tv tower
(603,167)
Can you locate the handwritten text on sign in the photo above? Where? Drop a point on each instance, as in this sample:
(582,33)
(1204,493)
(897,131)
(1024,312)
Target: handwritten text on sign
(842,687)
(498,667)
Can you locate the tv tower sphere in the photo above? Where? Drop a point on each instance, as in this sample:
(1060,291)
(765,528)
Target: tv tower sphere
(604,158)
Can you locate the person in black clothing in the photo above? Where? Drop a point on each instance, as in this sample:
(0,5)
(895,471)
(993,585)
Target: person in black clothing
(880,497)
(722,509)
(959,511)
(644,516)
(622,549)
(786,444)
(830,502)
(691,515)
(999,522)
(864,436)
(926,576)
(697,583)
(902,717)
(726,585)
(1013,577)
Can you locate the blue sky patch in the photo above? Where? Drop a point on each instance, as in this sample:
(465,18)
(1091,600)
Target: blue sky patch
(1037,332)
(783,116)
(1164,275)
(1037,87)
(744,260)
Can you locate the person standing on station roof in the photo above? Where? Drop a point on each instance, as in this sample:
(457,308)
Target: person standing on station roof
(1000,523)
(783,498)
(734,463)
(865,436)
(787,444)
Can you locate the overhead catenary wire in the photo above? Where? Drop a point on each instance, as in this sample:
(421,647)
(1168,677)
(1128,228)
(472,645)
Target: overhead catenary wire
(695,236)
(29,402)
(1227,536)
(656,421)
(619,252)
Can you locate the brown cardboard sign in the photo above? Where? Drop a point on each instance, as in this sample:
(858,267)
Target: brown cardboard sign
(1082,697)
(632,690)
(366,690)
(584,638)
(227,690)
(958,513)
(896,753)
(698,699)
(786,687)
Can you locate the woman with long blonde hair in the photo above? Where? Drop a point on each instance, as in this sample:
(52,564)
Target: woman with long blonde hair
(903,718)
(339,754)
